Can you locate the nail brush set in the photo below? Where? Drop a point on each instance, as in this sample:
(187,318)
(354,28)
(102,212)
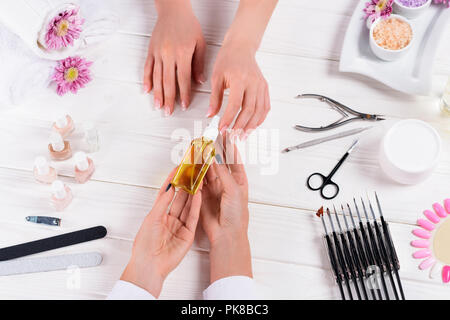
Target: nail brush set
(362,255)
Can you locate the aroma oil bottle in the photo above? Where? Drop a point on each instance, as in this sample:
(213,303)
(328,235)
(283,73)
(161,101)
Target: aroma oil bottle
(197,159)
(58,148)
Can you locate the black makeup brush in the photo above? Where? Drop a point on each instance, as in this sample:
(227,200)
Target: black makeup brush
(370,255)
(340,257)
(331,254)
(390,247)
(347,256)
(383,251)
(355,255)
(376,253)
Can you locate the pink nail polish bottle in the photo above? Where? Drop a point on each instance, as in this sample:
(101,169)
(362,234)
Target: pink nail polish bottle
(64,125)
(43,172)
(84,167)
(59,149)
(61,195)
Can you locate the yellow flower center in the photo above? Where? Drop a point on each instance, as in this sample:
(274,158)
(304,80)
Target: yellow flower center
(63,26)
(71,74)
(381,5)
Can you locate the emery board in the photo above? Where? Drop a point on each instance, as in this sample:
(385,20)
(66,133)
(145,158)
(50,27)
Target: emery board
(46,244)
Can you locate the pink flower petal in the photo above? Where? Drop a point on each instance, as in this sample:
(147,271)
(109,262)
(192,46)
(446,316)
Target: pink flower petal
(431,216)
(439,210)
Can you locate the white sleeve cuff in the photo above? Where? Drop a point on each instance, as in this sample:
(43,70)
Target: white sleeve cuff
(124,290)
(232,288)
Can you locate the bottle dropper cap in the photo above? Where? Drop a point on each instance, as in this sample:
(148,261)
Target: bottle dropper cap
(61,121)
(42,166)
(59,190)
(57,141)
(212,130)
(81,161)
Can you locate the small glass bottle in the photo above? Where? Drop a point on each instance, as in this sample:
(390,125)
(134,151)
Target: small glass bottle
(197,159)
(59,149)
(43,172)
(84,167)
(61,195)
(91,138)
(64,125)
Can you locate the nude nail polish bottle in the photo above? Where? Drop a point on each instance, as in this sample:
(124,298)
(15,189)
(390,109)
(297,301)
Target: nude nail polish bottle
(59,149)
(64,125)
(42,171)
(84,167)
(61,195)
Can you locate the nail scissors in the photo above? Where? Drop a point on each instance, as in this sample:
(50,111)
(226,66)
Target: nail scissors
(328,188)
(339,107)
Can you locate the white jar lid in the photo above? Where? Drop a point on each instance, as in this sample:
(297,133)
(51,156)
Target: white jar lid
(410,151)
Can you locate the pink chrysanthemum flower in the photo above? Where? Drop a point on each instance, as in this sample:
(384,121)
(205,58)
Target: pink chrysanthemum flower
(71,74)
(64,29)
(444,2)
(378,8)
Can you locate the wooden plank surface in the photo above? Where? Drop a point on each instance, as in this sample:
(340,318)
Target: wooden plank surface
(299,53)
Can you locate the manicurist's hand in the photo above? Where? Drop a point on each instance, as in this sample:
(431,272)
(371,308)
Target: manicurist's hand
(164,238)
(236,69)
(224,218)
(175,54)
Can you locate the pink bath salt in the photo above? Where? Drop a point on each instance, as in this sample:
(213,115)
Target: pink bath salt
(392,34)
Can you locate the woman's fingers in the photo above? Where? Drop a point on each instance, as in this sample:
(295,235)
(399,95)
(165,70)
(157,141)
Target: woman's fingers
(225,176)
(237,167)
(215,101)
(247,111)
(165,186)
(158,93)
(257,114)
(234,104)
(148,73)
(178,203)
(169,86)
(191,220)
(184,80)
(198,61)
(266,105)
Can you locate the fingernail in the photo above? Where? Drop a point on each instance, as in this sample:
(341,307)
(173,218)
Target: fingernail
(210,111)
(439,210)
(157,103)
(168,187)
(421,233)
(425,224)
(446,274)
(219,159)
(420,243)
(166,111)
(183,106)
(201,79)
(425,253)
(427,263)
(146,88)
(431,216)
(447,205)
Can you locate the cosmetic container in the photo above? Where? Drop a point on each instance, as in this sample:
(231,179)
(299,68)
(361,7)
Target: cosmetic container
(61,195)
(42,171)
(59,149)
(91,137)
(84,167)
(64,125)
(197,159)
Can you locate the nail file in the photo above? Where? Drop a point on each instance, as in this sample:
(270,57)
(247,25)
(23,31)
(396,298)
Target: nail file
(53,263)
(63,240)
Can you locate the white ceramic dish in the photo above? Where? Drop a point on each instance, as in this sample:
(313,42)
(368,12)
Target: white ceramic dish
(410,151)
(386,54)
(410,12)
(411,74)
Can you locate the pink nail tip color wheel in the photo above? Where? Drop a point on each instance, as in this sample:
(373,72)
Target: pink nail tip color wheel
(434,241)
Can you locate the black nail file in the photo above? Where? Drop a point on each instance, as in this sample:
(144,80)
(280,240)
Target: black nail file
(46,244)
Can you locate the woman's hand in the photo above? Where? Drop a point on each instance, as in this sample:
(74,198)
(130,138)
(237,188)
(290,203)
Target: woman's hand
(224,217)
(175,54)
(164,238)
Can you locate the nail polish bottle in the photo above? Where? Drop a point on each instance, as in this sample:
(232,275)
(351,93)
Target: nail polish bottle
(84,167)
(61,195)
(64,125)
(197,159)
(43,172)
(59,149)
(91,138)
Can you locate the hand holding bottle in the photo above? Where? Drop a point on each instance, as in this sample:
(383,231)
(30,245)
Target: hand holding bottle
(164,238)
(224,217)
(176,52)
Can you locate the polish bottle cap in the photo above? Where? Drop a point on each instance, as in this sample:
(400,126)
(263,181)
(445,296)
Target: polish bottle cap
(59,190)
(81,161)
(57,141)
(61,122)
(90,131)
(41,165)
(212,130)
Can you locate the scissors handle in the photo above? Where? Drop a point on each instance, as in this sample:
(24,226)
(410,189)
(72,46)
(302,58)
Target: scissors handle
(326,183)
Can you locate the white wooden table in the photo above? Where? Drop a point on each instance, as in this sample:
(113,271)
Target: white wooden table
(300,53)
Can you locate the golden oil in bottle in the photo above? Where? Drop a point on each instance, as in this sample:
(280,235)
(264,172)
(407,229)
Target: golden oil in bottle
(197,160)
